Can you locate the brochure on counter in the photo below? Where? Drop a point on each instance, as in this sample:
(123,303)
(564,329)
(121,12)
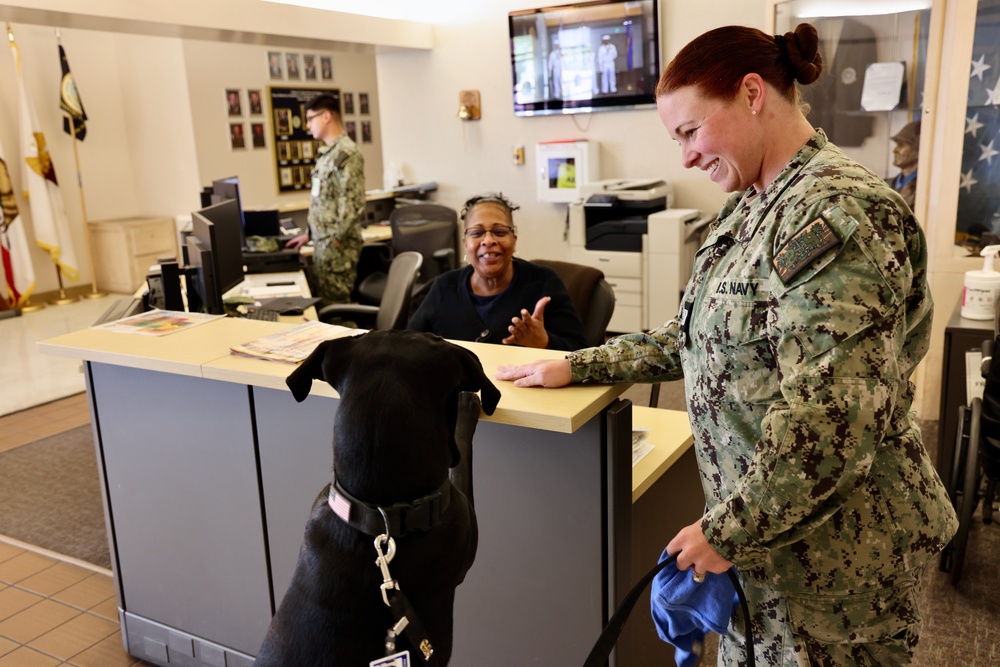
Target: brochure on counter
(157,322)
(294,344)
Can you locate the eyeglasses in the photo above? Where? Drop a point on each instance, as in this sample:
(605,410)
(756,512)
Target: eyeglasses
(311,118)
(497,232)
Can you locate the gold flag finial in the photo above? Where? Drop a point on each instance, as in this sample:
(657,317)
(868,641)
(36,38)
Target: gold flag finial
(10,33)
(58,37)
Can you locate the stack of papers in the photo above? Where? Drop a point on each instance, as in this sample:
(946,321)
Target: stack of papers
(294,344)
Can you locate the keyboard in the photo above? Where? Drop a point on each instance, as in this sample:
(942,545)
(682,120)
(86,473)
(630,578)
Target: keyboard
(263,314)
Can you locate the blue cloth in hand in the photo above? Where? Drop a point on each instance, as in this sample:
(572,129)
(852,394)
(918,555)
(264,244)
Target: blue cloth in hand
(684,610)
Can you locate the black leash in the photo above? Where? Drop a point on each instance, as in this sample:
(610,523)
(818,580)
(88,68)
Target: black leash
(606,642)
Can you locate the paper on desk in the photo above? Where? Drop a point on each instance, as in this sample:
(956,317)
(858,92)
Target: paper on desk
(639,445)
(157,322)
(294,344)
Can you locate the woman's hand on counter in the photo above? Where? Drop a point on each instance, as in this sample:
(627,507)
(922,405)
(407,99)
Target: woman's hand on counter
(546,373)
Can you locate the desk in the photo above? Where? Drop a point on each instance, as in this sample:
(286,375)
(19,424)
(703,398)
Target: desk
(208,468)
(371,234)
(263,286)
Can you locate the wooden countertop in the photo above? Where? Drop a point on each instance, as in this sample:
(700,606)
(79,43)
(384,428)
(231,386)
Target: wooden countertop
(203,351)
(670,435)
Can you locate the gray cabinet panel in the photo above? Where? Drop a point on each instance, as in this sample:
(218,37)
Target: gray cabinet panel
(182,479)
(296,462)
(534,595)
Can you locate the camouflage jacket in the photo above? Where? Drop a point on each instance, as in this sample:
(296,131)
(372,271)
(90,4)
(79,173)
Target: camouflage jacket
(337,204)
(797,335)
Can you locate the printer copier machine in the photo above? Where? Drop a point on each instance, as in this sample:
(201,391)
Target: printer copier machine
(626,228)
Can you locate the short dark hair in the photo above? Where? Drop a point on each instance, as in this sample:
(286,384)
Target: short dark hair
(497,198)
(325,102)
(718,60)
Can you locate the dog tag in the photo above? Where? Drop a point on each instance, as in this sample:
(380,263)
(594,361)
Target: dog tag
(394,660)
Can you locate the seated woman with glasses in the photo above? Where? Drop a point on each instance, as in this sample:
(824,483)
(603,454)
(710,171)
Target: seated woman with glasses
(498,298)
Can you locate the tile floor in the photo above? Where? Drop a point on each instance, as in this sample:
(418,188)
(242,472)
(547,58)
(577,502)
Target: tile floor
(57,612)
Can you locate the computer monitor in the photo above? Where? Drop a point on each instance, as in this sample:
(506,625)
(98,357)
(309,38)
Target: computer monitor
(215,255)
(224,189)
(265,222)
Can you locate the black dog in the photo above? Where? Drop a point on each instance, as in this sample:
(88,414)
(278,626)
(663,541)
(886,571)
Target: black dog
(401,424)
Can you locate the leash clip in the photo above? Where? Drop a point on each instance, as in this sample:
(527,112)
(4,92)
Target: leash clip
(383,561)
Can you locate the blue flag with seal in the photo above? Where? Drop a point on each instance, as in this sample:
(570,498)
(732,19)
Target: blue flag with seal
(69,101)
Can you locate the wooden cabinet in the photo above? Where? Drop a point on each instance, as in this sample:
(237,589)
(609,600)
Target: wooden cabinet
(125,249)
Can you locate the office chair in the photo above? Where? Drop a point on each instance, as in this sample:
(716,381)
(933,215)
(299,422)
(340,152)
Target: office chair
(429,229)
(592,296)
(374,258)
(393,311)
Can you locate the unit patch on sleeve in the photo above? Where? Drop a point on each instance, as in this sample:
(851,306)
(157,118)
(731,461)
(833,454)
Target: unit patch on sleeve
(808,243)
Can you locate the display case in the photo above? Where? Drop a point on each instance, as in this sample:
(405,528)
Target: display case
(868,98)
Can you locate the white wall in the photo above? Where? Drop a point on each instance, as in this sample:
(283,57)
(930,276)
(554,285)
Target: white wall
(158,128)
(419,102)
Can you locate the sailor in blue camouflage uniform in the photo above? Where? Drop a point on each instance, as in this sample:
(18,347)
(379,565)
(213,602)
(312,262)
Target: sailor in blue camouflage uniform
(798,333)
(336,204)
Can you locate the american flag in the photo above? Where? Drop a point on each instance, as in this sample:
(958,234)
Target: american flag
(340,505)
(979,188)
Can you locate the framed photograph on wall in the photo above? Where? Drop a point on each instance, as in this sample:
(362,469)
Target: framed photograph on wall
(257,135)
(254,101)
(309,63)
(349,104)
(363,103)
(237,140)
(326,68)
(294,148)
(366,131)
(282,121)
(351,128)
(292,65)
(274,68)
(233,102)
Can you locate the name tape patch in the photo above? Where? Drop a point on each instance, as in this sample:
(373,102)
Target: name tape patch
(806,245)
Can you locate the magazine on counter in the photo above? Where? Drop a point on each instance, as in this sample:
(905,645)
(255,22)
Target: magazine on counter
(157,322)
(294,344)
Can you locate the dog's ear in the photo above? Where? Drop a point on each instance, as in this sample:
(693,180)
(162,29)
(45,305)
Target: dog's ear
(326,362)
(476,380)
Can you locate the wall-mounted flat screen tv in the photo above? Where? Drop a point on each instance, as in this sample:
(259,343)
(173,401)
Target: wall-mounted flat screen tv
(586,56)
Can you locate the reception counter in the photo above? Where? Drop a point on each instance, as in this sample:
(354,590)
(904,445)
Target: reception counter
(209,468)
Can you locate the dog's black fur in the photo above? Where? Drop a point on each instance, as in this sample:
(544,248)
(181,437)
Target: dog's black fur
(394,441)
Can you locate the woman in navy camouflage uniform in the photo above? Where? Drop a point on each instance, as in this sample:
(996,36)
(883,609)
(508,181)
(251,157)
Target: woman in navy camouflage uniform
(807,313)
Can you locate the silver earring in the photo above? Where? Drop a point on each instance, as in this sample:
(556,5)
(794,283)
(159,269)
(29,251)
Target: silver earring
(753,112)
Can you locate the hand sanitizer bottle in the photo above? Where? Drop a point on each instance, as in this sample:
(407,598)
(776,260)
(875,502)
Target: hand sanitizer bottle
(982,288)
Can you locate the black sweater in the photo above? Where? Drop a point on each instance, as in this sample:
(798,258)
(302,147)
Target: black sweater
(449,311)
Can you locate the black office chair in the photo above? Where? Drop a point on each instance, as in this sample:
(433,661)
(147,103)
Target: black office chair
(393,311)
(592,296)
(429,229)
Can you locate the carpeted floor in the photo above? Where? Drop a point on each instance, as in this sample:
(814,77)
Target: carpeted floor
(51,498)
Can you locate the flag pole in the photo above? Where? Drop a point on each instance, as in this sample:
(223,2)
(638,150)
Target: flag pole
(62,299)
(27,306)
(94,294)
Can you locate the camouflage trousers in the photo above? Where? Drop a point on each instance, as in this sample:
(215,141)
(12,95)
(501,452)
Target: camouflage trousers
(875,629)
(335,270)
